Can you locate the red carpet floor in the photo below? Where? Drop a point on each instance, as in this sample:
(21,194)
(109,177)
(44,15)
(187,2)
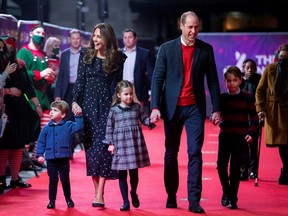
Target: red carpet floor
(267,199)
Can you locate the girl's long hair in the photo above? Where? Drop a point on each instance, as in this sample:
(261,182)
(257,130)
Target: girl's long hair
(111,62)
(120,85)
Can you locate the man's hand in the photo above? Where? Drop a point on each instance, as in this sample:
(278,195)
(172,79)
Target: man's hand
(48,74)
(155,115)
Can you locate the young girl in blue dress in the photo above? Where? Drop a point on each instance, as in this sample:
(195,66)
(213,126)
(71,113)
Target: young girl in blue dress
(126,141)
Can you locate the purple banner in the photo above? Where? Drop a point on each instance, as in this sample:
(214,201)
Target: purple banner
(234,48)
(8,25)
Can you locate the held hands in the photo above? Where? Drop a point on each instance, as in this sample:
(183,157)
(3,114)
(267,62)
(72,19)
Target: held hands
(155,116)
(10,68)
(111,149)
(248,139)
(76,109)
(215,118)
(41,159)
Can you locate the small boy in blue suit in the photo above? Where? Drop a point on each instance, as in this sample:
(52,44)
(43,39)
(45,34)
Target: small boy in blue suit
(55,142)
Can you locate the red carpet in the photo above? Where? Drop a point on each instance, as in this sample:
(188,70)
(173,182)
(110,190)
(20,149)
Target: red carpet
(267,199)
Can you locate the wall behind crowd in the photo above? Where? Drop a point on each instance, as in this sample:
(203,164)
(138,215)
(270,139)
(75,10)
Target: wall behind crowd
(20,30)
(229,48)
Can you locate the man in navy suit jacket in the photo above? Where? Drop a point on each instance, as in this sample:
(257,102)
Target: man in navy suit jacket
(138,67)
(178,96)
(68,70)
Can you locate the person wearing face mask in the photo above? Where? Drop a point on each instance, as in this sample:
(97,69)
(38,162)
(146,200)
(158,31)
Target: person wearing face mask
(18,89)
(52,50)
(36,62)
(272,107)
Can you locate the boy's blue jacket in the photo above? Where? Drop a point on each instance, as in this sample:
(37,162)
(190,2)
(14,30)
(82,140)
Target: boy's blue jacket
(55,140)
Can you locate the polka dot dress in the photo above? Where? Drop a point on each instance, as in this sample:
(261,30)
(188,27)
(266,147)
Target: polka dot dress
(93,92)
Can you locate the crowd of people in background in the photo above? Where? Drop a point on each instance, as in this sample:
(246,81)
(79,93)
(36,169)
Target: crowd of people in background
(91,92)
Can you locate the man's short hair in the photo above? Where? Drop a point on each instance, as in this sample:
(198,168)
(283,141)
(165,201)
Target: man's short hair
(74,31)
(130,30)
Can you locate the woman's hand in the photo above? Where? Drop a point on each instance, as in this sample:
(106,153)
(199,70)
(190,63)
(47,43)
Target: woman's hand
(76,109)
(10,68)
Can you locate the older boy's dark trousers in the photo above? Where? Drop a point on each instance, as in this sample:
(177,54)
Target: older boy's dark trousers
(231,146)
(59,167)
(190,117)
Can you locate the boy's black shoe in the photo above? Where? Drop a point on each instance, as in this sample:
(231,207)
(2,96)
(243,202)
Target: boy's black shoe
(70,202)
(171,201)
(125,207)
(195,207)
(233,205)
(51,204)
(225,200)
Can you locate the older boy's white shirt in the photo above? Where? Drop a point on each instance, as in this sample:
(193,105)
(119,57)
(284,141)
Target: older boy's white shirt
(129,64)
(236,93)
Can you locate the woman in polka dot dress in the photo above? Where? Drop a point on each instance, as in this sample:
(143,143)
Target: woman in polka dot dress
(100,68)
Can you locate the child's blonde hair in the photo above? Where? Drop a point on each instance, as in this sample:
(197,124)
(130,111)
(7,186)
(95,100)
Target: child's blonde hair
(120,85)
(61,105)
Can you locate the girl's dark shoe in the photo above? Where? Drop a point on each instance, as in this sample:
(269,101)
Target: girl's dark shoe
(135,200)
(19,183)
(125,207)
(171,201)
(70,202)
(51,204)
